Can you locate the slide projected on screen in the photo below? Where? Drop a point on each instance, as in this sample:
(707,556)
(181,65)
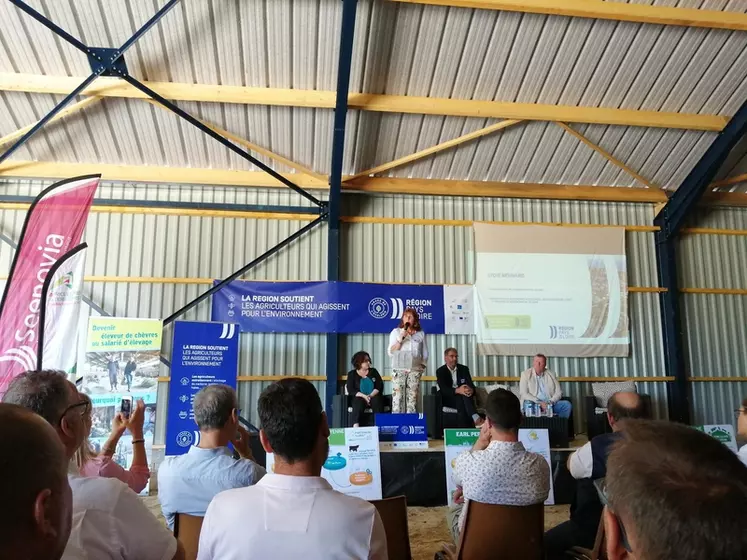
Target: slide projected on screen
(560,291)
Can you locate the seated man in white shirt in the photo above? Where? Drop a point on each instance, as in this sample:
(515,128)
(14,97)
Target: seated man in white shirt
(539,385)
(498,470)
(292,512)
(37,504)
(188,483)
(109,520)
(587,464)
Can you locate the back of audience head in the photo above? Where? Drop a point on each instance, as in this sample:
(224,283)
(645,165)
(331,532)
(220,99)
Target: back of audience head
(49,394)
(677,492)
(293,424)
(624,405)
(216,409)
(36,512)
(503,411)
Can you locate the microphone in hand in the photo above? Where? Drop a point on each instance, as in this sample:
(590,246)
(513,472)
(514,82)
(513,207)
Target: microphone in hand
(404,332)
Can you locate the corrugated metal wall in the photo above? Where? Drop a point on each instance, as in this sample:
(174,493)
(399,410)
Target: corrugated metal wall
(209,247)
(442,254)
(716,324)
(140,245)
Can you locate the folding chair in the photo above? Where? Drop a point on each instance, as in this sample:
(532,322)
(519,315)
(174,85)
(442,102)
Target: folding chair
(597,553)
(187,531)
(495,531)
(393,512)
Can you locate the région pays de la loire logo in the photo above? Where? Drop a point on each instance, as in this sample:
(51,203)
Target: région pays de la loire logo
(24,355)
(379,308)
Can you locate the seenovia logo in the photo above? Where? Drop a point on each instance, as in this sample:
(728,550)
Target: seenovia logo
(23,356)
(378,308)
(184,439)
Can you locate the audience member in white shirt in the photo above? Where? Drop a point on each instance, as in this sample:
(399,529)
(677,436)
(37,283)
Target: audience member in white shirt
(37,503)
(292,512)
(498,470)
(742,430)
(109,520)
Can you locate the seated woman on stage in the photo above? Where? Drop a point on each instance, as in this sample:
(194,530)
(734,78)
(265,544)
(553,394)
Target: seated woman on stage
(366,385)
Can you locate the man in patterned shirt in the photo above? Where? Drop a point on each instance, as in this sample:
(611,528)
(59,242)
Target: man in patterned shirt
(498,470)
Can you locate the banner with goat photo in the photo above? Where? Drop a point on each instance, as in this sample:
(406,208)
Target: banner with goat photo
(54,224)
(123,359)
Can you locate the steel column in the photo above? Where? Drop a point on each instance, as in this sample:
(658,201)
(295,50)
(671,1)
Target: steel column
(347,33)
(670,221)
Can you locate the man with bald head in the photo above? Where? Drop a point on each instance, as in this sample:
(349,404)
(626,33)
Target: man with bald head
(108,519)
(587,464)
(36,512)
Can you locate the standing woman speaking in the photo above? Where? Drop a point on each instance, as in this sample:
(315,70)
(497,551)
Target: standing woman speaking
(409,353)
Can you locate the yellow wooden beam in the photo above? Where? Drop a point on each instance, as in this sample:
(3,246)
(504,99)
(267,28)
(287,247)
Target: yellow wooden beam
(725,199)
(600,9)
(503,190)
(197,176)
(153,174)
(66,112)
(606,155)
(731,181)
(113,87)
(715,291)
(297,167)
(435,149)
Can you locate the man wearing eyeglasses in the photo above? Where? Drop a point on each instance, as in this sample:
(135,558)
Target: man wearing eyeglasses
(673,492)
(109,520)
(587,464)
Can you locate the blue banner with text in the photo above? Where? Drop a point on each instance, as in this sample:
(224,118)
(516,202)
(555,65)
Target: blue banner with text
(203,354)
(402,430)
(327,307)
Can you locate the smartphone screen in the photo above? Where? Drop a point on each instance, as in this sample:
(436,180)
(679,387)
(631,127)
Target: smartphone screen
(125,407)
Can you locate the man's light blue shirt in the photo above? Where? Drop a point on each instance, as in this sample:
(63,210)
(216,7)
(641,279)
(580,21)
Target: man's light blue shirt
(188,483)
(542,395)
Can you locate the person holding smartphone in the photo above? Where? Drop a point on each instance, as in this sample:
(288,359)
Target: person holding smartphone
(91,464)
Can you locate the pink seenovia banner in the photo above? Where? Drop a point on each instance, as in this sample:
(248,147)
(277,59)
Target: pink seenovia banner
(54,224)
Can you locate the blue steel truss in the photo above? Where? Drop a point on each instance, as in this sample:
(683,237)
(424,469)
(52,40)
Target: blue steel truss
(670,221)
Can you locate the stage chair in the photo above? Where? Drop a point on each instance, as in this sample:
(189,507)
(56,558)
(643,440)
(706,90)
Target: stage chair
(597,553)
(187,531)
(437,416)
(342,409)
(596,414)
(492,531)
(393,512)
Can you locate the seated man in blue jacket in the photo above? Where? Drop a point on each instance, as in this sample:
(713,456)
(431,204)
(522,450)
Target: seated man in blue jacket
(457,389)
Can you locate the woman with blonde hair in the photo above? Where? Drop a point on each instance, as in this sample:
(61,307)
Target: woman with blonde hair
(409,353)
(91,464)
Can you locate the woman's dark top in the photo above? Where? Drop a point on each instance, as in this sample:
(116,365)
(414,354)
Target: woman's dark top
(354,381)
